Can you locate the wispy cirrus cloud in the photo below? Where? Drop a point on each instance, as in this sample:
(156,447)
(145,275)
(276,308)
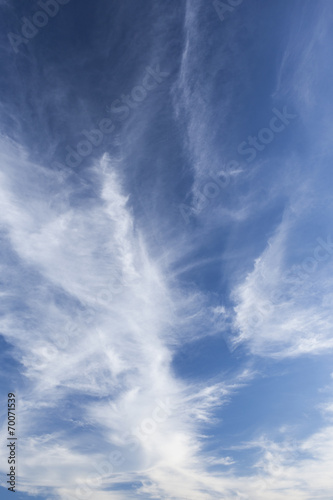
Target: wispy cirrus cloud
(283,304)
(117,318)
(100,368)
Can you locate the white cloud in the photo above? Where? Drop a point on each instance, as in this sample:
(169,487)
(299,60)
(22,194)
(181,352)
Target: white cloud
(124,416)
(97,365)
(193,107)
(282,310)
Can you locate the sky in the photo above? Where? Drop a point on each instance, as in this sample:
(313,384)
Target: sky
(167,249)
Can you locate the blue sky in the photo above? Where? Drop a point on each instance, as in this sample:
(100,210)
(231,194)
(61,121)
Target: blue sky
(167,248)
